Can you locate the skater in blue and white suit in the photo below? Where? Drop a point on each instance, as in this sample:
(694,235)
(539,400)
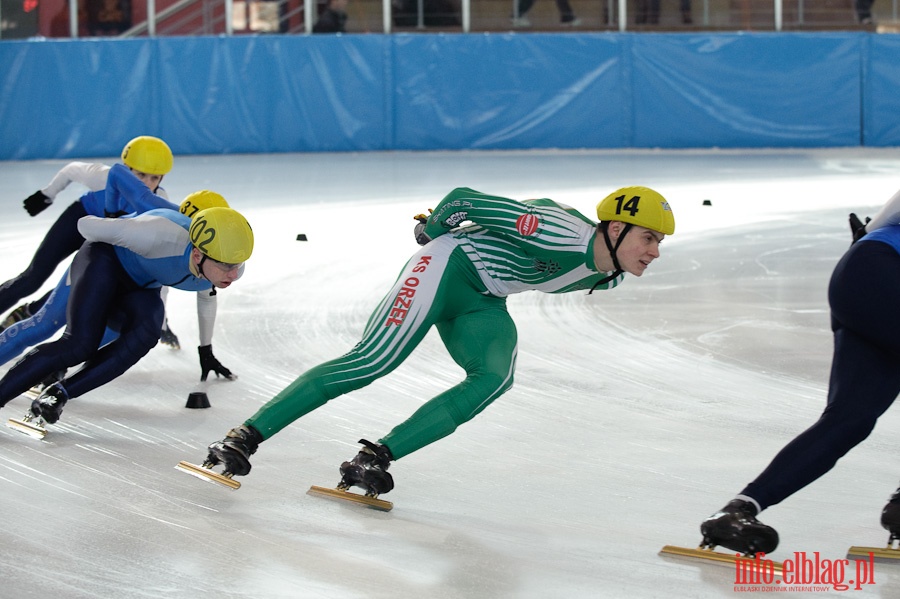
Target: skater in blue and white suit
(116,277)
(147,158)
(123,189)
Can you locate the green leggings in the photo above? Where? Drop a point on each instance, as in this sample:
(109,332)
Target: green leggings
(438,286)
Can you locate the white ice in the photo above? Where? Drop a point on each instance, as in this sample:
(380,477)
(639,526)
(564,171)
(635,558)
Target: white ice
(635,414)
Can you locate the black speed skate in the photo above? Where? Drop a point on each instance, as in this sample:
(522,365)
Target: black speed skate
(890,517)
(368,470)
(735,527)
(890,520)
(17,315)
(234,451)
(49,405)
(167,337)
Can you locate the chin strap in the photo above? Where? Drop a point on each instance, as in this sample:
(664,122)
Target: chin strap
(604,226)
(212,291)
(605,280)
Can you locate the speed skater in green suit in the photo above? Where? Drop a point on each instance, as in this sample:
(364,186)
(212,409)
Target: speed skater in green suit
(477,250)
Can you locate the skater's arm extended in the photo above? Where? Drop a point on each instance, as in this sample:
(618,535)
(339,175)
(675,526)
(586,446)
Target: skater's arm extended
(125,193)
(206,316)
(207,306)
(90,174)
(150,235)
(530,221)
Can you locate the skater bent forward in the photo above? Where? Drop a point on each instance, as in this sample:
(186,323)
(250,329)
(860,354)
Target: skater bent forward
(478,250)
(116,277)
(863,294)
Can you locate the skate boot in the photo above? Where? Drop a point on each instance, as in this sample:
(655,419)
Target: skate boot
(234,451)
(50,404)
(53,377)
(368,470)
(890,517)
(167,337)
(20,313)
(735,526)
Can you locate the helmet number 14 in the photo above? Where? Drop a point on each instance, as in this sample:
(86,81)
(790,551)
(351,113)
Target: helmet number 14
(631,206)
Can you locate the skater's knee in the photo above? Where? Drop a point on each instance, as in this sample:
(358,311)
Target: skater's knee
(141,339)
(848,430)
(78,352)
(491,384)
(477,393)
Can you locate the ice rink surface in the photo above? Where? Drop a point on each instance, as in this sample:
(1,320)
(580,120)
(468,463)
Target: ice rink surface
(635,414)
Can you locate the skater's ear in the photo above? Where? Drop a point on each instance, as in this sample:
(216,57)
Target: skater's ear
(614,229)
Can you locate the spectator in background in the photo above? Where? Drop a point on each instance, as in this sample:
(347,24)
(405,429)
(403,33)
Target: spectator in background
(333,19)
(108,17)
(435,13)
(647,12)
(864,11)
(566,14)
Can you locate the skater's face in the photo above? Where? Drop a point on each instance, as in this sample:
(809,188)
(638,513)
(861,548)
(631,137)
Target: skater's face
(151,181)
(639,248)
(221,275)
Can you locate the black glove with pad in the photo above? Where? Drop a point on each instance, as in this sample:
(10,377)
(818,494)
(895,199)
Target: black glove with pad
(37,203)
(208,362)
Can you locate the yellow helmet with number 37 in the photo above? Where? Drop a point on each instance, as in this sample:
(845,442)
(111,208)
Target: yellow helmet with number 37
(201,200)
(639,206)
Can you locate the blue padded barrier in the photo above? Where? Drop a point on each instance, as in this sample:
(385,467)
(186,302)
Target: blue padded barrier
(249,94)
(881,100)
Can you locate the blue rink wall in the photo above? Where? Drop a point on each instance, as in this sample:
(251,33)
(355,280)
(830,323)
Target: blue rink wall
(265,94)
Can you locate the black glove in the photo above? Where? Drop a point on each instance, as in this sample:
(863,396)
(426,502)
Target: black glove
(37,203)
(857,227)
(209,362)
(419,230)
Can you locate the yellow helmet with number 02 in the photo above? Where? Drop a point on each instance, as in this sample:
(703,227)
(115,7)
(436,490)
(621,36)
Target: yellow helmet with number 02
(201,200)
(222,234)
(639,206)
(148,154)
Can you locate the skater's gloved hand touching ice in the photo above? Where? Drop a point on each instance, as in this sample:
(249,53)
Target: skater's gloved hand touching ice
(208,362)
(419,231)
(37,203)
(857,227)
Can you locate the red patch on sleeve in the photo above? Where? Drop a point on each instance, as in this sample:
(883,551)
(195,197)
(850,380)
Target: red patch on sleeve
(527,224)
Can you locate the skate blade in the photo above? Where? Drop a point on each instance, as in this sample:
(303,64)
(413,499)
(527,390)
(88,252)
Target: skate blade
(32,430)
(208,475)
(882,554)
(372,502)
(716,556)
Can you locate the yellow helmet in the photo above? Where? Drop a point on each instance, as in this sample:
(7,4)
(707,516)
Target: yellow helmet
(639,206)
(148,155)
(222,234)
(201,200)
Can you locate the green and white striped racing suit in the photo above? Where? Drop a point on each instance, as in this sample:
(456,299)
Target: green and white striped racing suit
(458,282)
